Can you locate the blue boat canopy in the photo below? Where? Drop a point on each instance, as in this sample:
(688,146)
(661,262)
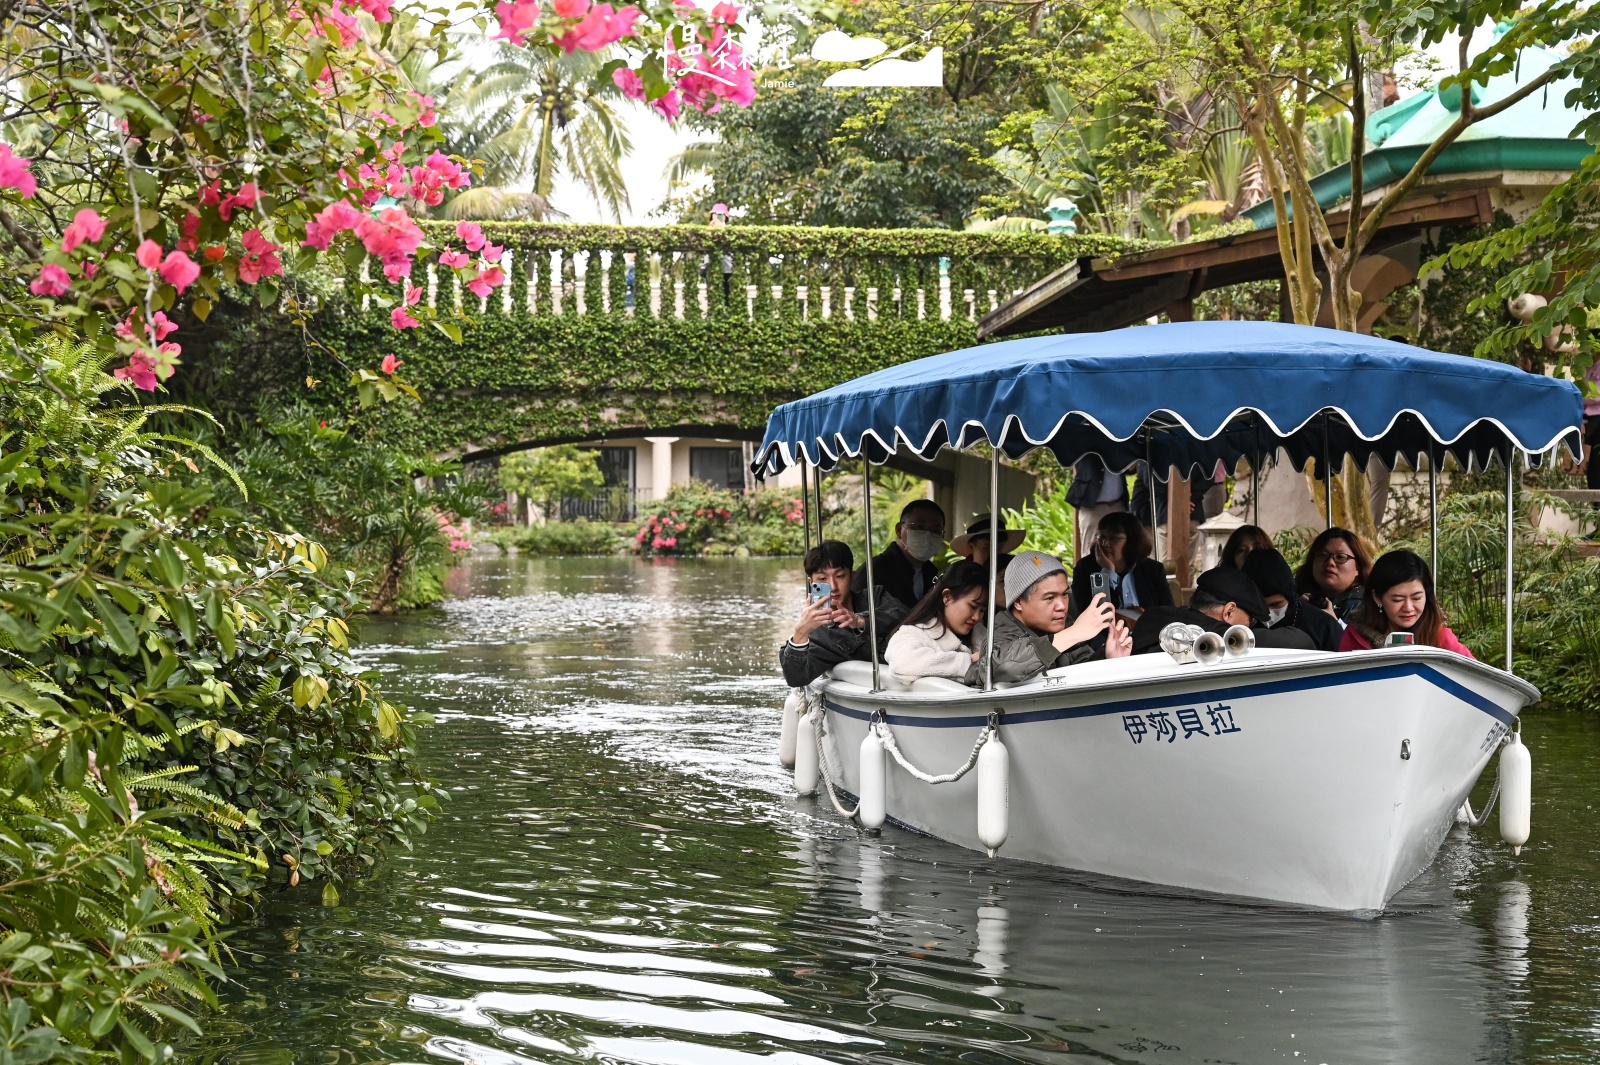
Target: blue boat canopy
(1186,394)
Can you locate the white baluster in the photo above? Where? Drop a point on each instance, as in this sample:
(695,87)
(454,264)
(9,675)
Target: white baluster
(702,298)
(993,303)
(433,286)
(944,296)
(777,299)
(366,276)
(849,302)
(922,303)
(655,284)
(872,303)
(750,302)
(801,292)
(972,304)
(455,293)
(899,298)
(508,264)
(606,259)
(677,299)
(827,301)
(558,283)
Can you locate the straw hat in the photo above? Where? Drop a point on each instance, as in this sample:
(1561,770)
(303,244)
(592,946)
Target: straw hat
(1010,539)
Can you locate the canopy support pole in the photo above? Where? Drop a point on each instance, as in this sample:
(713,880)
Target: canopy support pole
(1433,516)
(817,479)
(994,563)
(1327,474)
(1255,472)
(1511,532)
(872,596)
(1150,483)
(805,501)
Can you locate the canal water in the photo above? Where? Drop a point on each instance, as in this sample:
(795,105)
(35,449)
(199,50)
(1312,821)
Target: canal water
(624,875)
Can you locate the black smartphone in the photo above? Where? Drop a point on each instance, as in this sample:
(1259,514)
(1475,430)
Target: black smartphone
(1099,583)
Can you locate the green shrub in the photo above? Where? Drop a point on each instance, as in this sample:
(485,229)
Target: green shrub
(181,722)
(561,538)
(698,519)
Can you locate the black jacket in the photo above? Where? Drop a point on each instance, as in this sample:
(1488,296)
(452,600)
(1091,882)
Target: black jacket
(1325,632)
(1147,631)
(892,571)
(1149,580)
(832,644)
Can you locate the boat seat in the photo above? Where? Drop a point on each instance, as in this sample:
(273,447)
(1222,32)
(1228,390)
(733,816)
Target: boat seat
(860,674)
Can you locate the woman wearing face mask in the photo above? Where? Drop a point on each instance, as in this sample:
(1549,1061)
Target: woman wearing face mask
(1399,598)
(938,638)
(1135,581)
(1334,571)
(1285,609)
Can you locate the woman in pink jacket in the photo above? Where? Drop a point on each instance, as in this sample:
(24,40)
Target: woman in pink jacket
(1399,598)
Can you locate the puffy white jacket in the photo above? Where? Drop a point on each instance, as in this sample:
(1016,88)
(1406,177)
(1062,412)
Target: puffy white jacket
(927,650)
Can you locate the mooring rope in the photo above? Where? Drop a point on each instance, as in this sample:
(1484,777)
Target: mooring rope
(1476,821)
(822,754)
(927,778)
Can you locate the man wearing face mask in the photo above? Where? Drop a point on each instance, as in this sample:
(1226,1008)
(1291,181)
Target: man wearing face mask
(904,569)
(1285,609)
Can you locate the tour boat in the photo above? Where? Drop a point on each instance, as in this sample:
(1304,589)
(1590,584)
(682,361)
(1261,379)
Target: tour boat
(1301,777)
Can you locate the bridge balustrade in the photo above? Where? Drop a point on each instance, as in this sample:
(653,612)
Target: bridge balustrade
(700,272)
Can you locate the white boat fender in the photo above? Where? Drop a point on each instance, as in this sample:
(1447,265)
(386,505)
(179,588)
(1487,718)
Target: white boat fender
(872,808)
(994,772)
(791,727)
(805,755)
(1516,792)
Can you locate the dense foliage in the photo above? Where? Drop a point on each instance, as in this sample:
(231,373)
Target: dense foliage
(699,519)
(547,475)
(181,723)
(561,539)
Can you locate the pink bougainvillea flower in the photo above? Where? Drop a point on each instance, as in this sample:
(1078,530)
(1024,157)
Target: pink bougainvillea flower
(393,237)
(329,222)
(214,253)
(14,172)
(140,370)
(179,271)
(260,258)
(487,281)
(390,364)
(632,86)
(571,8)
(601,27)
(52,281)
(211,195)
(401,318)
(86,226)
(90,269)
(247,197)
(426,115)
(492,252)
(190,241)
(726,12)
(436,174)
(455,260)
(516,19)
(413,294)
(378,9)
(472,233)
(149,255)
(161,326)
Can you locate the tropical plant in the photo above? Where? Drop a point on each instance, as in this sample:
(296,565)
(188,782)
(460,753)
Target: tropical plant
(532,117)
(1048,519)
(181,722)
(547,475)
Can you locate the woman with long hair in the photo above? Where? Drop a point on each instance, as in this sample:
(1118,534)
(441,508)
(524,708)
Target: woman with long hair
(1334,572)
(1399,598)
(1243,540)
(1134,580)
(939,638)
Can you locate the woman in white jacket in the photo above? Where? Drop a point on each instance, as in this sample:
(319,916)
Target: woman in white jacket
(938,637)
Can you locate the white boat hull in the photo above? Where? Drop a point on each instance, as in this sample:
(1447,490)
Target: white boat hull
(1323,780)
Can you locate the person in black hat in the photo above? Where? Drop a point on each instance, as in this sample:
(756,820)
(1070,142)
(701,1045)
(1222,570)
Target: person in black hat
(1285,609)
(1222,597)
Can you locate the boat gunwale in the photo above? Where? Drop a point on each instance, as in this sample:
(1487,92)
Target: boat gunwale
(1241,669)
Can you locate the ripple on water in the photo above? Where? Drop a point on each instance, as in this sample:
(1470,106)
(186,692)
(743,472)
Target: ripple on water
(622,876)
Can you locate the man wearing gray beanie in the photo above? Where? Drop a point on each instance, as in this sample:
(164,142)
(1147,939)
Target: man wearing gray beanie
(1033,633)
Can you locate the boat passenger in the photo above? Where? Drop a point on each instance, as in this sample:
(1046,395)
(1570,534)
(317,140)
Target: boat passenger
(1037,632)
(1399,598)
(1122,552)
(905,568)
(1285,608)
(1222,597)
(974,543)
(1334,571)
(1245,539)
(937,638)
(834,629)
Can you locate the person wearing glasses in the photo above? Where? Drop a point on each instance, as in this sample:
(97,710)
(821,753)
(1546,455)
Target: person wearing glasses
(1399,599)
(1334,573)
(1133,580)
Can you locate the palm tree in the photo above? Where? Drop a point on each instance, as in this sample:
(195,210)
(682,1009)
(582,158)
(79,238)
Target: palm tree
(532,117)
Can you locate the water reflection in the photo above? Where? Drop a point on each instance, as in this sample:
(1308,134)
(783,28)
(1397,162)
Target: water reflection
(622,875)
